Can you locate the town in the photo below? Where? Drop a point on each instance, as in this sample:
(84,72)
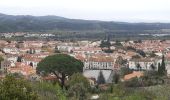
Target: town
(124,60)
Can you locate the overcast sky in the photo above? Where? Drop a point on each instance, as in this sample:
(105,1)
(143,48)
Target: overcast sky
(107,10)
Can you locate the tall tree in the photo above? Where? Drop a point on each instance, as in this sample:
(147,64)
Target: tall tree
(61,65)
(19,59)
(138,67)
(116,78)
(101,79)
(152,67)
(161,67)
(1,59)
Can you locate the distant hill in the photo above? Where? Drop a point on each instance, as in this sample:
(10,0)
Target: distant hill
(11,23)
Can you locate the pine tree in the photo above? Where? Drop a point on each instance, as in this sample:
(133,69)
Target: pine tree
(100,79)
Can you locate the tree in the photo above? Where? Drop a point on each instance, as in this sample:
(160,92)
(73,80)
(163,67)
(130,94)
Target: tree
(78,91)
(124,71)
(119,60)
(116,78)
(136,57)
(161,67)
(131,48)
(141,52)
(61,65)
(31,64)
(1,59)
(79,84)
(152,54)
(12,88)
(106,43)
(118,43)
(78,78)
(19,59)
(100,79)
(152,67)
(138,67)
(49,91)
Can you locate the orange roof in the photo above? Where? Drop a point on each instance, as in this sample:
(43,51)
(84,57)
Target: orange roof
(101,59)
(79,57)
(22,68)
(32,59)
(50,77)
(87,49)
(132,75)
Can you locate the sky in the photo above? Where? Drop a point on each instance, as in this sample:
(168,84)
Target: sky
(105,10)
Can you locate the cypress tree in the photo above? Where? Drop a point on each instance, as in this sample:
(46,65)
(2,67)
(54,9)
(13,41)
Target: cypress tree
(138,67)
(116,78)
(100,79)
(163,66)
(159,69)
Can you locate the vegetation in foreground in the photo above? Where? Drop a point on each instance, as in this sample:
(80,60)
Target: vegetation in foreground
(16,88)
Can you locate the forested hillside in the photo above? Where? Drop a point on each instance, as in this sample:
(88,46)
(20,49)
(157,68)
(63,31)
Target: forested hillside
(11,23)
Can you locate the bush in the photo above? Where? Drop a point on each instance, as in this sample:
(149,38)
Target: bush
(49,91)
(78,86)
(12,88)
(134,82)
(78,78)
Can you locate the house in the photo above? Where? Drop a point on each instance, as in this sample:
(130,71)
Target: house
(11,50)
(5,65)
(87,50)
(24,50)
(144,63)
(32,61)
(21,68)
(99,62)
(133,75)
(64,48)
(35,50)
(12,58)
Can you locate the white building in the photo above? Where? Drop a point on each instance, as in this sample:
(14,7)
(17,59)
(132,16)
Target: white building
(64,48)
(12,58)
(31,61)
(144,63)
(87,50)
(11,50)
(99,62)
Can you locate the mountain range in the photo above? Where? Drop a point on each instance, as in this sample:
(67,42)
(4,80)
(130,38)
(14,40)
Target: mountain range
(27,23)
